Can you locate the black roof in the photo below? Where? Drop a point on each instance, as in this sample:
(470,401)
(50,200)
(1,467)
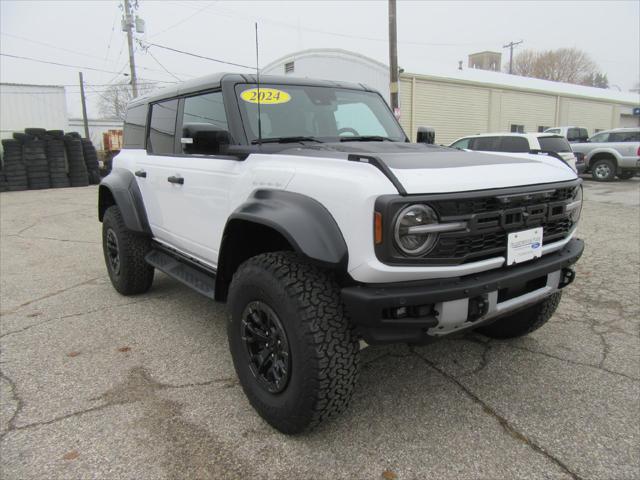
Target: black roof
(217,79)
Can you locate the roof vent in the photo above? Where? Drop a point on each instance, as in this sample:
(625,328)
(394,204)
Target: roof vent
(288,67)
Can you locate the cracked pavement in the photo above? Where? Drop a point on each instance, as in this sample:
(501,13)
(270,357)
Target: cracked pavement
(97,385)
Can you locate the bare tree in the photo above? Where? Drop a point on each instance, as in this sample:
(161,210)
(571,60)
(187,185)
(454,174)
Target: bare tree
(568,65)
(113,102)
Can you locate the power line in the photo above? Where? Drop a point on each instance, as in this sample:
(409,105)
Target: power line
(183,20)
(198,56)
(510,46)
(56,63)
(165,68)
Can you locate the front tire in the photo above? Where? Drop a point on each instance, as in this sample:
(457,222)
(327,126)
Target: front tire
(292,346)
(124,253)
(523,321)
(603,170)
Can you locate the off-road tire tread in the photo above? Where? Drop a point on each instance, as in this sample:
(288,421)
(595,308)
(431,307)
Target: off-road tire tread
(327,331)
(138,275)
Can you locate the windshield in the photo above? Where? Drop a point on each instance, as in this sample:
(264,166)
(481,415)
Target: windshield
(321,113)
(554,144)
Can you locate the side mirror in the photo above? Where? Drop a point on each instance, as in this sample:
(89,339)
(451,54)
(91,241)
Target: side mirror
(426,135)
(204,139)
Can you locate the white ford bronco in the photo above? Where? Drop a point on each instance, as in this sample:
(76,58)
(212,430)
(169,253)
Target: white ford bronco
(304,206)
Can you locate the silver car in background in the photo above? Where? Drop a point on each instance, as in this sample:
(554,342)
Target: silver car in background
(610,153)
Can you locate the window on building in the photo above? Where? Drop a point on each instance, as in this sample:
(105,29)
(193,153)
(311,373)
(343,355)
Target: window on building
(162,127)
(134,126)
(517,128)
(514,145)
(204,125)
(289,67)
(542,129)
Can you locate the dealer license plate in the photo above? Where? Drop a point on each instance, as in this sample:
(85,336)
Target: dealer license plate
(524,245)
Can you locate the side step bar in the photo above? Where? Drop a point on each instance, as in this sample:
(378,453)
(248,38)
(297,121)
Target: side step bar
(182,271)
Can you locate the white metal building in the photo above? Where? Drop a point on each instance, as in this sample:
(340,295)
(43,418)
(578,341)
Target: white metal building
(333,64)
(465,102)
(97,126)
(31,106)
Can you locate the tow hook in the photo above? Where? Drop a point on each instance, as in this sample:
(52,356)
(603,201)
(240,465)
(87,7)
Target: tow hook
(568,275)
(478,307)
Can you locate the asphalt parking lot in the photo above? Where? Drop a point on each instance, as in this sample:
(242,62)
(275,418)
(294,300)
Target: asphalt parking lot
(96,385)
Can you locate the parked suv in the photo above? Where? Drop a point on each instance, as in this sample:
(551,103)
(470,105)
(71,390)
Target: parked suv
(520,143)
(612,152)
(320,225)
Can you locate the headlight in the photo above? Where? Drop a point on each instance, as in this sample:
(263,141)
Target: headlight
(407,232)
(575,207)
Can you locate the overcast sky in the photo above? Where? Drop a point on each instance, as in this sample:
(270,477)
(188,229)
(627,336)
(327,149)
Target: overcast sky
(432,36)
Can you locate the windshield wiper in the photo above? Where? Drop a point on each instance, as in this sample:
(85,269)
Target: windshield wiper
(285,140)
(366,138)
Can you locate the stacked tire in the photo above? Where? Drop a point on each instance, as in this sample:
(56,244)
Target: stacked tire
(4,186)
(78,176)
(91,161)
(14,168)
(56,158)
(35,158)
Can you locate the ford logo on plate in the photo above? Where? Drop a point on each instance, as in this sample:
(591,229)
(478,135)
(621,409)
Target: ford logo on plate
(535,245)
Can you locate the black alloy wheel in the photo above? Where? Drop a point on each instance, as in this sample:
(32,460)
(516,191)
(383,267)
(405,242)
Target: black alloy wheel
(113,251)
(266,344)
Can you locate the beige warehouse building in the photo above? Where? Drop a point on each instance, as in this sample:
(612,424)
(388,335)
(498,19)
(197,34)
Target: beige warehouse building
(465,102)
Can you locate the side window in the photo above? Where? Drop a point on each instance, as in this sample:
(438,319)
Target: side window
(517,128)
(624,137)
(489,144)
(162,127)
(204,125)
(600,138)
(134,126)
(514,144)
(358,117)
(464,143)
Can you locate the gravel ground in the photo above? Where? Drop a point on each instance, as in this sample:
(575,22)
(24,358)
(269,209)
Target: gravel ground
(96,385)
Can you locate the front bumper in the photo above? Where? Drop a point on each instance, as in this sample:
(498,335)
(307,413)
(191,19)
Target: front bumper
(414,312)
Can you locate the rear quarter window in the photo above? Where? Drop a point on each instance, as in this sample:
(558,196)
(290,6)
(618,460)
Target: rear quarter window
(624,136)
(554,144)
(134,126)
(514,145)
(488,144)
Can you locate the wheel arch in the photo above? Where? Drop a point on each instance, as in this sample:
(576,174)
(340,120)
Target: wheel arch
(274,220)
(603,155)
(120,188)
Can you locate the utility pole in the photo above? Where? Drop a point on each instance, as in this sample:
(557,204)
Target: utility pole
(84,107)
(393,58)
(510,46)
(127,25)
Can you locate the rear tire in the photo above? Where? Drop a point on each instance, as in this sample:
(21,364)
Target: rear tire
(603,170)
(124,253)
(523,321)
(315,366)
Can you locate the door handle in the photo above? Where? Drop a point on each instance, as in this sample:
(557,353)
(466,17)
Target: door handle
(174,179)
(141,173)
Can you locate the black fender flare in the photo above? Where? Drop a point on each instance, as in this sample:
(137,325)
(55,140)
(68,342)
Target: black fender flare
(303,221)
(120,187)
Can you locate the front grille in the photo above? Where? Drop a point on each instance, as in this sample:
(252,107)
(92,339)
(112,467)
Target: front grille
(490,217)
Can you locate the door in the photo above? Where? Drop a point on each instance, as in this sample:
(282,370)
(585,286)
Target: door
(190,175)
